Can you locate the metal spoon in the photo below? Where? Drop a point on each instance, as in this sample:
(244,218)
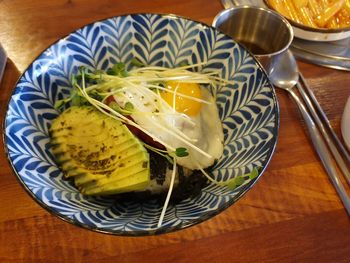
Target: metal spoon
(285,75)
(289,61)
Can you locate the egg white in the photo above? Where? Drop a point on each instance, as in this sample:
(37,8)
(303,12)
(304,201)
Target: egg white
(167,126)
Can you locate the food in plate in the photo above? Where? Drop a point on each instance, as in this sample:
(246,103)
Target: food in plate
(117,121)
(330,14)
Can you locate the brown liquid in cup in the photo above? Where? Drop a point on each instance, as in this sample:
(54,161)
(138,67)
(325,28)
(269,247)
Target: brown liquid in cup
(255,48)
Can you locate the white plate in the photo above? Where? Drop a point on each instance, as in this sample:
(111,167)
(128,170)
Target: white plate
(345,124)
(302,33)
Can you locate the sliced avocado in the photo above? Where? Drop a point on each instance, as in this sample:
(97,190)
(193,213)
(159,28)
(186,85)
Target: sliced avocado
(131,165)
(134,183)
(96,150)
(75,114)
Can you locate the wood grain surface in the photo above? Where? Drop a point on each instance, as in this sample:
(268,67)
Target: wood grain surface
(292,214)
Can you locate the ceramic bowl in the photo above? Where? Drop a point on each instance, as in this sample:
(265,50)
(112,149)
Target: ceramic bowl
(247,107)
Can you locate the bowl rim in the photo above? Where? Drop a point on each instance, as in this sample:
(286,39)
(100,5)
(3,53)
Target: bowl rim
(162,229)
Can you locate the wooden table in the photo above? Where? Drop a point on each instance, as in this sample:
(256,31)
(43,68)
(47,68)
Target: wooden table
(292,214)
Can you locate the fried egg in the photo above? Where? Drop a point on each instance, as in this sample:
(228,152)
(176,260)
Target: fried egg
(183,115)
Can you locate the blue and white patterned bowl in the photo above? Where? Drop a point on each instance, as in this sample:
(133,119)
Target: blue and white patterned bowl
(248,110)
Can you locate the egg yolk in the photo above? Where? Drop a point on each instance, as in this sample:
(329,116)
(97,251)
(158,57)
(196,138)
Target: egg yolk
(183,104)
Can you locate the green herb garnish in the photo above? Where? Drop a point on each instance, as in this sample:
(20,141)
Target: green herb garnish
(240,179)
(181,152)
(118,69)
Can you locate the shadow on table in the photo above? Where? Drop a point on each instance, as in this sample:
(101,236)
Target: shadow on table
(7,84)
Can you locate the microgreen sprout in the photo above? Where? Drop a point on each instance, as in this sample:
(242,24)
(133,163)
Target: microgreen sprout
(181,152)
(126,110)
(161,152)
(118,69)
(165,206)
(235,182)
